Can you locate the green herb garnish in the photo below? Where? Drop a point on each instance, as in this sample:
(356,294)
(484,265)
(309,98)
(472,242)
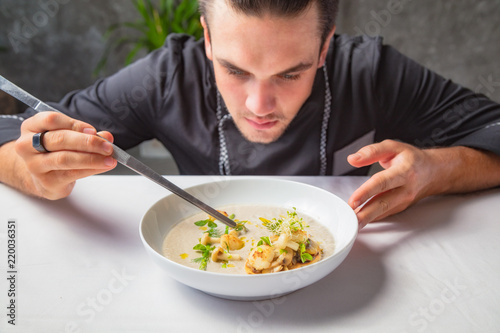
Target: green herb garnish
(240,226)
(205,255)
(265,240)
(201,223)
(208,222)
(285,224)
(212,231)
(304,256)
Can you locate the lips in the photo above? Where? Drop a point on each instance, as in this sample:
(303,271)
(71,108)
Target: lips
(261,124)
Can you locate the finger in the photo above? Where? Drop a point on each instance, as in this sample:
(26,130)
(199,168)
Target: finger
(373,153)
(70,140)
(59,184)
(381,206)
(70,176)
(106,135)
(68,160)
(48,121)
(379,183)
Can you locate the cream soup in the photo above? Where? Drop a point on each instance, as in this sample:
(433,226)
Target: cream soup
(178,244)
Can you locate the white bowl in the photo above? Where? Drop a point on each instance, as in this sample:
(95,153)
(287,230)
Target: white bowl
(323,206)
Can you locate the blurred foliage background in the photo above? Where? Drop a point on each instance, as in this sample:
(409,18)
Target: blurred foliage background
(55,49)
(157,19)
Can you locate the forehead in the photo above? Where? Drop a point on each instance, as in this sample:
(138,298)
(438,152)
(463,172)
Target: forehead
(266,42)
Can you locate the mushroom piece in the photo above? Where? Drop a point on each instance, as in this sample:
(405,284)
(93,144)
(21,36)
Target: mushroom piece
(231,241)
(312,247)
(261,257)
(206,239)
(220,255)
(285,257)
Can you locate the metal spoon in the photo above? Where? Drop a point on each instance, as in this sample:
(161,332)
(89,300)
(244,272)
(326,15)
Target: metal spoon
(119,154)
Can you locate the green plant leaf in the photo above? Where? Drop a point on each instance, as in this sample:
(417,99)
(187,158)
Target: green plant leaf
(305,257)
(156,20)
(201,223)
(214,232)
(266,240)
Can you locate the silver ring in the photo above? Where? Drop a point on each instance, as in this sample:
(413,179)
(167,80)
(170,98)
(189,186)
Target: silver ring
(38,142)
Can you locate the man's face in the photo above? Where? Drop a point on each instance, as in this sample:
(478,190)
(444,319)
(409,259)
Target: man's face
(264,67)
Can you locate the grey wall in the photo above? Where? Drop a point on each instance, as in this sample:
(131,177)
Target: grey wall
(459,39)
(55,44)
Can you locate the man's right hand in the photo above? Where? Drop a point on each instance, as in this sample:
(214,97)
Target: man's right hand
(74,152)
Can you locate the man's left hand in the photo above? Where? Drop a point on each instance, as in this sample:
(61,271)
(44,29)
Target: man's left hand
(407,178)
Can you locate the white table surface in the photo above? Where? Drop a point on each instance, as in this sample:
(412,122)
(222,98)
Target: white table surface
(81,267)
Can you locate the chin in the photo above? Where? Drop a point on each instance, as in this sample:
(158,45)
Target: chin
(260,140)
(261,137)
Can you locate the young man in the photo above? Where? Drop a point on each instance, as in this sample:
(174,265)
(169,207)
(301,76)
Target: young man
(291,98)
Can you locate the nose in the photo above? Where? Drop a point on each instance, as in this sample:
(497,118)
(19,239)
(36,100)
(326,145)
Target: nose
(260,99)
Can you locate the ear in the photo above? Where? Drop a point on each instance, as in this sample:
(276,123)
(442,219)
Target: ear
(324,49)
(206,35)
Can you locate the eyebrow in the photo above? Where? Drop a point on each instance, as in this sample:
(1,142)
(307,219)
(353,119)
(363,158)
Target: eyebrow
(297,68)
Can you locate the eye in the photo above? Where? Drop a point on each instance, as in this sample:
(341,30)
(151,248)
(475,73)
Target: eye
(236,72)
(290,77)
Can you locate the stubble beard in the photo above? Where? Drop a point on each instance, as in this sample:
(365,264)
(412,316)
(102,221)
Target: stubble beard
(261,136)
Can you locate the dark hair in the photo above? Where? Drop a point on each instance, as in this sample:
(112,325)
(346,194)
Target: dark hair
(327,10)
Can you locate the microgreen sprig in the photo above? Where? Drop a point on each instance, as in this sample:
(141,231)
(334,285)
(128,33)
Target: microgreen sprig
(205,255)
(285,224)
(304,256)
(265,240)
(210,223)
(240,226)
(212,227)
